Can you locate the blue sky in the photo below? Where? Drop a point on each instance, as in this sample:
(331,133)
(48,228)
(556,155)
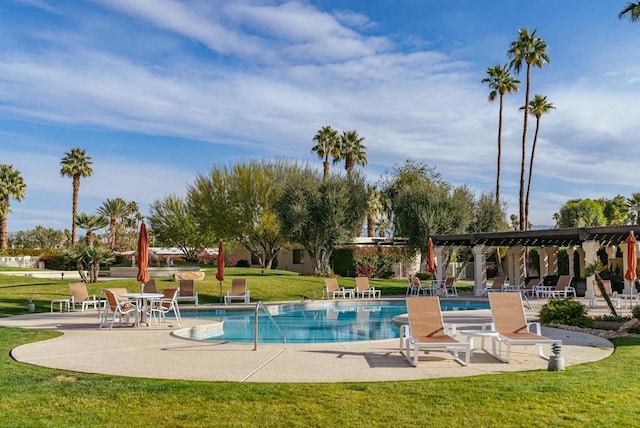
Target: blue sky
(158,91)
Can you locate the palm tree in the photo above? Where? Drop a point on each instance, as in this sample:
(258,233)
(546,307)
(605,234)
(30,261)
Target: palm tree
(91,223)
(328,144)
(537,107)
(352,151)
(501,82)
(631,11)
(75,164)
(11,186)
(115,210)
(530,50)
(375,206)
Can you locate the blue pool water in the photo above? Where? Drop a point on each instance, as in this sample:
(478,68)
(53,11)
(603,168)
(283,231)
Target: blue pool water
(318,322)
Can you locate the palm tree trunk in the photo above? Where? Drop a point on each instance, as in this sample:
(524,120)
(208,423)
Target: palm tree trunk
(371,226)
(524,149)
(499,151)
(76,191)
(326,170)
(605,295)
(533,152)
(4,211)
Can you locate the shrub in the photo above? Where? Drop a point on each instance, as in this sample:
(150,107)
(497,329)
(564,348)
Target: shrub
(243,263)
(424,276)
(635,312)
(565,312)
(343,262)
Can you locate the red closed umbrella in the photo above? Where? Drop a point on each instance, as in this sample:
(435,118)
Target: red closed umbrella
(431,266)
(143,255)
(220,262)
(632,260)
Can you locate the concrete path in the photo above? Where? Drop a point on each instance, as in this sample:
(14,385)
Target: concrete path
(154,352)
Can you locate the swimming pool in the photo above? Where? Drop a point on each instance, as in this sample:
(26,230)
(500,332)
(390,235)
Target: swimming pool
(315,322)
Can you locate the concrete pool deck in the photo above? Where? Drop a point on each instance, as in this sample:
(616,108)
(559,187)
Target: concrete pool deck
(153,352)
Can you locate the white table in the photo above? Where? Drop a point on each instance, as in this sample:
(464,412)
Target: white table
(482,334)
(142,301)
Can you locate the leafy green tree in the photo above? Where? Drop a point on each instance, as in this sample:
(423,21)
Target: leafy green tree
(75,164)
(630,11)
(327,145)
(352,151)
(90,223)
(40,237)
(320,214)
(529,50)
(237,203)
(488,215)
(581,213)
(115,210)
(537,107)
(500,82)
(11,186)
(616,211)
(172,223)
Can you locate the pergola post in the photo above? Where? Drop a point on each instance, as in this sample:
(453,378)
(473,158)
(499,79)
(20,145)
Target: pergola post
(590,255)
(543,256)
(441,261)
(480,268)
(570,252)
(581,260)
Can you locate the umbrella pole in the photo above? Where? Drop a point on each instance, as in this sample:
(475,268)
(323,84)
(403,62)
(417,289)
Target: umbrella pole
(220,291)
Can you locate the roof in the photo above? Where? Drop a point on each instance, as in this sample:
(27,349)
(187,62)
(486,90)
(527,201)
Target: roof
(606,236)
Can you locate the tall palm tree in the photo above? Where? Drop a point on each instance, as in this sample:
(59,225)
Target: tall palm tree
(11,186)
(90,223)
(500,82)
(529,50)
(115,210)
(537,107)
(327,144)
(352,151)
(75,164)
(375,206)
(631,11)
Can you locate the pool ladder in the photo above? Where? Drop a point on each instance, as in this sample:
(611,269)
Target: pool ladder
(255,325)
(305,295)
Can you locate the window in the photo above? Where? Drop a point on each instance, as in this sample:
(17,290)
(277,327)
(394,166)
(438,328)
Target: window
(298,257)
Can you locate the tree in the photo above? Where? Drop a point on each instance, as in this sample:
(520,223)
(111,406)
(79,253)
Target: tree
(91,223)
(595,268)
(173,225)
(634,208)
(500,82)
(75,164)
(89,256)
(488,215)
(11,186)
(237,203)
(630,11)
(537,107)
(327,144)
(581,213)
(320,214)
(616,211)
(352,151)
(375,208)
(114,210)
(529,50)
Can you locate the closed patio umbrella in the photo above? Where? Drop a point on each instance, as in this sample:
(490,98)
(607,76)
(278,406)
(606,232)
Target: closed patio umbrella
(431,266)
(143,255)
(632,261)
(220,262)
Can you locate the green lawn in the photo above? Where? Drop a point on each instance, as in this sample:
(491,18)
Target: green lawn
(603,394)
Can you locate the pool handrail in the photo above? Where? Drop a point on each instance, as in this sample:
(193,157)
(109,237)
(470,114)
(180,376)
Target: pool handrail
(255,325)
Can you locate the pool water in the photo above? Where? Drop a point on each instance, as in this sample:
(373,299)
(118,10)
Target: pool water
(318,322)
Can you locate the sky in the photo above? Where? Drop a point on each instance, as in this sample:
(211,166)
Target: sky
(159,91)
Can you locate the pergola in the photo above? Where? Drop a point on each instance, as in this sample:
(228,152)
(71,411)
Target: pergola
(584,240)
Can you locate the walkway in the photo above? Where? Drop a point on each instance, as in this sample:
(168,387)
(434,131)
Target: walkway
(154,352)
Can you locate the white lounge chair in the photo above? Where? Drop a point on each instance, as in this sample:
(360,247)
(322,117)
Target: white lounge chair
(426,331)
(238,291)
(333,290)
(510,322)
(80,296)
(363,289)
(563,287)
(497,284)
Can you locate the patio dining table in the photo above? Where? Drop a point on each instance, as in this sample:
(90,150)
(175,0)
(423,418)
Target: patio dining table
(143,300)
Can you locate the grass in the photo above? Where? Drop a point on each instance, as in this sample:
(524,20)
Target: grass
(605,393)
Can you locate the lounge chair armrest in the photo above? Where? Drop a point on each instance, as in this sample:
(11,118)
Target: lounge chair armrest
(489,326)
(451,329)
(536,326)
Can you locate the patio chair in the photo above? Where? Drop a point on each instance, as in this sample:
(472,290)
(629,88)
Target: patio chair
(188,291)
(415,286)
(166,304)
(450,288)
(608,289)
(119,309)
(531,286)
(497,284)
(363,289)
(238,291)
(563,287)
(80,296)
(426,331)
(331,288)
(150,286)
(510,322)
